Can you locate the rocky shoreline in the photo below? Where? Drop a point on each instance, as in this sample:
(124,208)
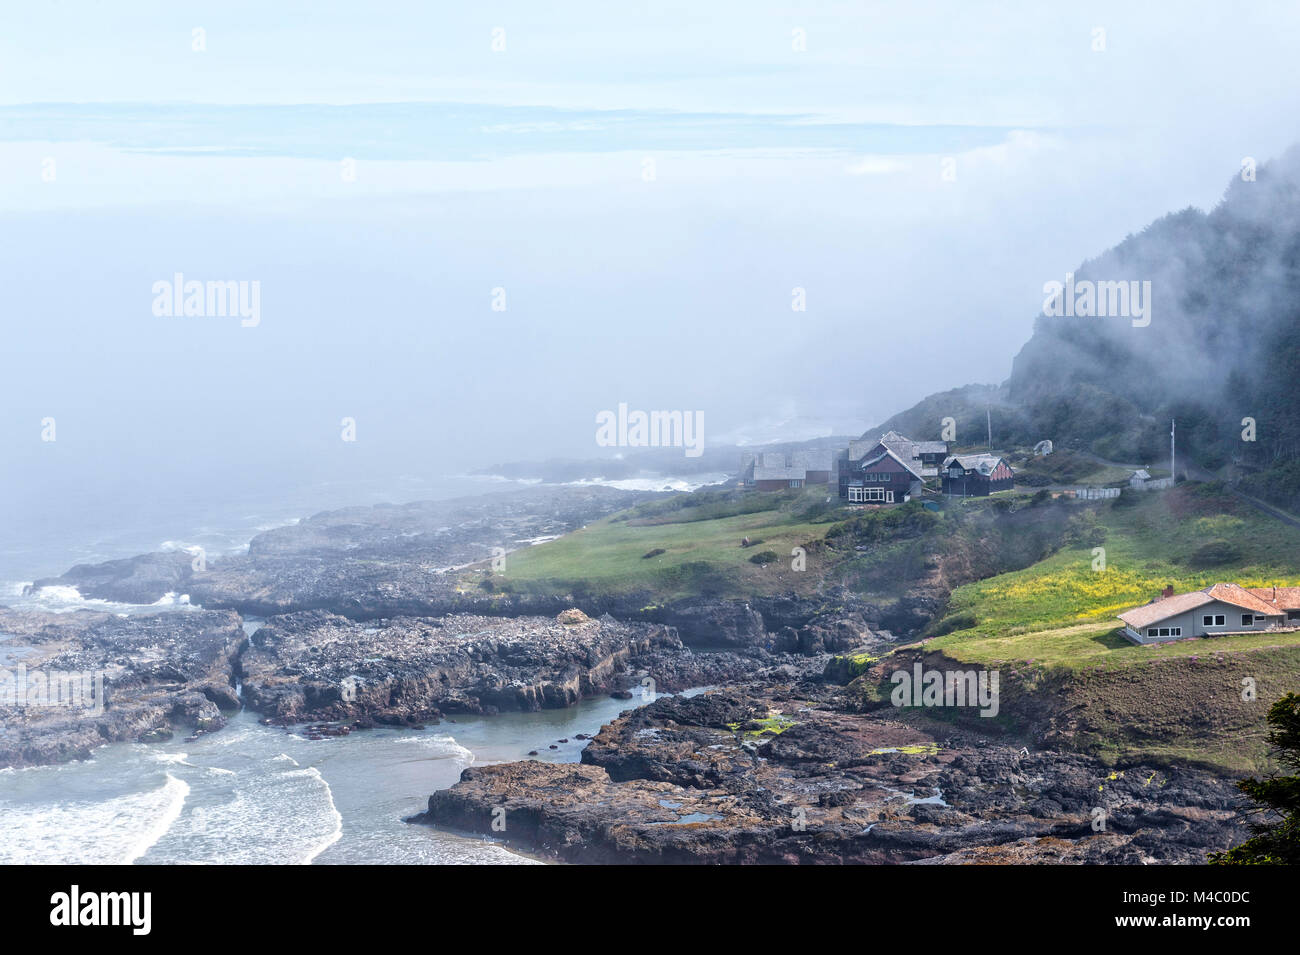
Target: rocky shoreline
(362,562)
(384,562)
(364,626)
(148,677)
(781,772)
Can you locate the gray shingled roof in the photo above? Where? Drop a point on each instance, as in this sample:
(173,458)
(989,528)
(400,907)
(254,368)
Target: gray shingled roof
(859,448)
(887,453)
(903,447)
(820,460)
(779,474)
(983,463)
(1139,617)
(900,444)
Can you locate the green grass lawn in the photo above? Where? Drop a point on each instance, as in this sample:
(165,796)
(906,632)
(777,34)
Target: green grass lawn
(1103,474)
(700,537)
(1062,612)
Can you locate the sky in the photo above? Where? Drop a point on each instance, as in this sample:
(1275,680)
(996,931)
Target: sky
(648,191)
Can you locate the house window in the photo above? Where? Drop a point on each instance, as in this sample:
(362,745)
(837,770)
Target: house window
(874,494)
(1218,620)
(1247,619)
(796,482)
(1175,631)
(855,495)
(1152,632)
(1207,620)
(889,497)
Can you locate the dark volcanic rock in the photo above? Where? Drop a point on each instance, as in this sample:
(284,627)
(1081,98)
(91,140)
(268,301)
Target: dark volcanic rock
(776,773)
(718,622)
(143,579)
(318,666)
(360,561)
(159,673)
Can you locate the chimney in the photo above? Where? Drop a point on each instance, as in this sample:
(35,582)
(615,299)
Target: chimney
(1167,592)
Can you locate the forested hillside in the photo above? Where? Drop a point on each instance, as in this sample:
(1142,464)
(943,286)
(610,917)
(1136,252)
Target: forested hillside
(1222,344)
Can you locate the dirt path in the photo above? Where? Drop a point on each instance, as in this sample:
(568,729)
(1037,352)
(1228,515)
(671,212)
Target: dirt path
(1269,509)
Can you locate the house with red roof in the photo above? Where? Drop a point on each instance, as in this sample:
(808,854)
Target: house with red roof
(1215,611)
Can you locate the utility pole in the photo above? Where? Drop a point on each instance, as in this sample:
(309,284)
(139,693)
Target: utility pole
(988,418)
(1173,473)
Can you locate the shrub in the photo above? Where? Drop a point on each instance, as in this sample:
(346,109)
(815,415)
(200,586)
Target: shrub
(765,557)
(1215,553)
(1085,530)
(958,621)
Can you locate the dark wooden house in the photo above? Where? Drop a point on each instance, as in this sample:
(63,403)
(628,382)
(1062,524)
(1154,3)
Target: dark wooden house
(883,478)
(976,475)
(920,458)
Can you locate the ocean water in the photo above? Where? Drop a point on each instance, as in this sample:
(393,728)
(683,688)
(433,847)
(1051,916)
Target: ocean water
(254,794)
(46,540)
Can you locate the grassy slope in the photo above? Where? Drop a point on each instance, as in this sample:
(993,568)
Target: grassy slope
(1069,680)
(701,544)
(1070,467)
(1062,612)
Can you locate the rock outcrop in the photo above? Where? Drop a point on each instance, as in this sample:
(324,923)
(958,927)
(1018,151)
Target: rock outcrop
(767,773)
(70,683)
(314,665)
(360,561)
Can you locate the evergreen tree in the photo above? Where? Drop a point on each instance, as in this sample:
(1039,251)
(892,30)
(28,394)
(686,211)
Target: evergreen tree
(1276,839)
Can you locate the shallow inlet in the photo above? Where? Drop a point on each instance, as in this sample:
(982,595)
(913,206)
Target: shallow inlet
(258,794)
